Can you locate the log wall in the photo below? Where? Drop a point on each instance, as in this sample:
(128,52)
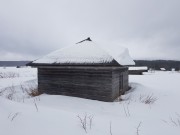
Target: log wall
(99,83)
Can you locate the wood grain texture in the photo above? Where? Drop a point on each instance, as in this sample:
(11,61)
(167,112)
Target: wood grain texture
(99,83)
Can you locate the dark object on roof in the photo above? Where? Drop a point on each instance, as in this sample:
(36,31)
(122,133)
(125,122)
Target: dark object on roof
(87,39)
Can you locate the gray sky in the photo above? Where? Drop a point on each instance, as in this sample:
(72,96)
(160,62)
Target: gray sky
(150,29)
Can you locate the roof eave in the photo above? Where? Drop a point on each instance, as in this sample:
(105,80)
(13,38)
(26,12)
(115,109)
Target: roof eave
(113,63)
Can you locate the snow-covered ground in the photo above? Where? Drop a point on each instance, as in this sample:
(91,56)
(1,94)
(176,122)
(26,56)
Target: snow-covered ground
(149,108)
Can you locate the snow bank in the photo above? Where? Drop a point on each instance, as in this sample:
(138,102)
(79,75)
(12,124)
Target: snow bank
(56,114)
(15,80)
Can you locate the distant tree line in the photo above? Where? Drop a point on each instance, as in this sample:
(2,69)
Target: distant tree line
(157,64)
(13,63)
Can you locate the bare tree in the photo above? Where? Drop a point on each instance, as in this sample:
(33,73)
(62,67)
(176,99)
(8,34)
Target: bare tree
(137,129)
(36,105)
(147,99)
(110,128)
(126,110)
(90,121)
(83,122)
(14,116)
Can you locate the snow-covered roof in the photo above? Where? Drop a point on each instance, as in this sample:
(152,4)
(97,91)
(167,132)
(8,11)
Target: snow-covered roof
(85,52)
(123,57)
(163,69)
(119,53)
(138,68)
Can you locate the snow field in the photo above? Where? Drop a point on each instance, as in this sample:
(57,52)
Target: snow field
(56,114)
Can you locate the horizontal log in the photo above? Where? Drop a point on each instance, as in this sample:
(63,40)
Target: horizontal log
(104,84)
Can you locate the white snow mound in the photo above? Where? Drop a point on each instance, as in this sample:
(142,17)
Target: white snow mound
(124,58)
(118,52)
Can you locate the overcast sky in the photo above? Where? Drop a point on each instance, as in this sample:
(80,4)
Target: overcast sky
(29,29)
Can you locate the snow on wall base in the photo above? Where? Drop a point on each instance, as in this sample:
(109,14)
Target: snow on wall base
(98,83)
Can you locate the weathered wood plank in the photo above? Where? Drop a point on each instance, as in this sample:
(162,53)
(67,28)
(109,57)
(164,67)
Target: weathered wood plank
(93,83)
